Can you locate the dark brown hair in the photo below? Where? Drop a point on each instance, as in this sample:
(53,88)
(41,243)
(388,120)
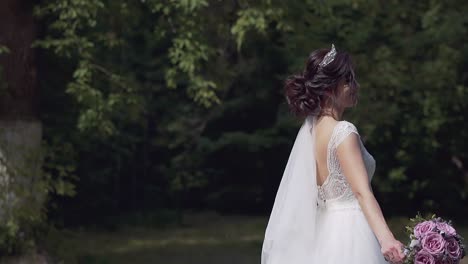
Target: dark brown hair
(306,91)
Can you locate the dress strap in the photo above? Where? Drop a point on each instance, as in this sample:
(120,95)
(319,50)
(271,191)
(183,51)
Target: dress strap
(340,132)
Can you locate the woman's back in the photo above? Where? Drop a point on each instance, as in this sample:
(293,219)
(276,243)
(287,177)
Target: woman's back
(324,129)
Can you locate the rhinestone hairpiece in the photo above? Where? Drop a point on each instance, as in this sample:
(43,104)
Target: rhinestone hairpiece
(329,57)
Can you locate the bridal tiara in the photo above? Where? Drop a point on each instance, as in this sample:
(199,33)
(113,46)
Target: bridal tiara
(329,57)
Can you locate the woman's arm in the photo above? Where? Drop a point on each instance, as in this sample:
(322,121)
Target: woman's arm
(352,164)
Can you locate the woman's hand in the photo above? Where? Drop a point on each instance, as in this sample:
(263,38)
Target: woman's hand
(392,250)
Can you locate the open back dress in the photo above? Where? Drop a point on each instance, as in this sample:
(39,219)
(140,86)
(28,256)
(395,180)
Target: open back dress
(343,234)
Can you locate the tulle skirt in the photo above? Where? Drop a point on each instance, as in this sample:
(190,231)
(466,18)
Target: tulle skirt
(344,235)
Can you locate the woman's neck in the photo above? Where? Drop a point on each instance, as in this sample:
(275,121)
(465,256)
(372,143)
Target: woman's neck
(333,112)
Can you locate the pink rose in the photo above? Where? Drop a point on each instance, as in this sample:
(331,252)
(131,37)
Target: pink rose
(434,243)
(423,228)
(446,228)
(453,248)
(424,257)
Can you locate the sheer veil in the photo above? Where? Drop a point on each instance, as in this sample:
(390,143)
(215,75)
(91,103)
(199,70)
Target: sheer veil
(289,236)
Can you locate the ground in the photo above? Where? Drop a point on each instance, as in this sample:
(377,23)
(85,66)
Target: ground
(210,238)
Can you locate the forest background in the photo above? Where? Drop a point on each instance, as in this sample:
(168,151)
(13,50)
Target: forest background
(145,112)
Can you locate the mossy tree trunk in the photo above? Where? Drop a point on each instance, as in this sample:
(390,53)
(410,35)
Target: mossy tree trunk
(20,128)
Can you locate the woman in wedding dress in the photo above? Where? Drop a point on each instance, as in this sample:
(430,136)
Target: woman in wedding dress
(325,211)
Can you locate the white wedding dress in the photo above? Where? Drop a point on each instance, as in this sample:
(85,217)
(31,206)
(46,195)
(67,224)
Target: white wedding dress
(342,231)
(311,224)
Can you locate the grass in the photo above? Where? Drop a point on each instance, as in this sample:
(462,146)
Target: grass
(208,238)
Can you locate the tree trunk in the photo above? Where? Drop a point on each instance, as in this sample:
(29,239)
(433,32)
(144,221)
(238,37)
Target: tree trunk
(17,32)
(20,128)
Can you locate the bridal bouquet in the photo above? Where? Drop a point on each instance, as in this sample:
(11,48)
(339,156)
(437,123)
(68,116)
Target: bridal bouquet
(433,241)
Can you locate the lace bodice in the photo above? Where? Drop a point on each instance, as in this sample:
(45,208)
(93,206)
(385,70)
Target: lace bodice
(336,187)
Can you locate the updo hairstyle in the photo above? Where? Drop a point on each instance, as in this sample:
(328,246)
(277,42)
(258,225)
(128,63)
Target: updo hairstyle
(308,92)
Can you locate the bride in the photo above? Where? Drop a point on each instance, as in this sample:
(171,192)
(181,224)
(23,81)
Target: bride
(325,211)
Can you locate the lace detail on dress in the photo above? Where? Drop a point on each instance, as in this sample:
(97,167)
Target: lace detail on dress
(336,187)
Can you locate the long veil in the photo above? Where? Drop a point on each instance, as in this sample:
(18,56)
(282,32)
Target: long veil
(289,236)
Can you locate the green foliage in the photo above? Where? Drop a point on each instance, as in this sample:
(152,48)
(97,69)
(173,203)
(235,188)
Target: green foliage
(179,103)
(416,220)
(71,17)
(24,191)
(182,22)
(258,20)
(59,168)
(66,39)
(4,49)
